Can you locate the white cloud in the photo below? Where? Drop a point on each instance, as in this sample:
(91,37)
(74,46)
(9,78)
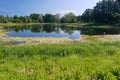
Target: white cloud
(62,12)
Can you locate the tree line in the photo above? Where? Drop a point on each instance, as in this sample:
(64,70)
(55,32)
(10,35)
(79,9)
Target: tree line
(40,18)
(105,12)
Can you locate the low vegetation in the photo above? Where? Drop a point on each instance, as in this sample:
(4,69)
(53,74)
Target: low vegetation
(104,12)
(15,24)
(99,38)
(88,61)
(77,25)
(87,58)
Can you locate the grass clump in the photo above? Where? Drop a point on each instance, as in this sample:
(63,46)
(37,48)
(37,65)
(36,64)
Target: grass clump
(88,61)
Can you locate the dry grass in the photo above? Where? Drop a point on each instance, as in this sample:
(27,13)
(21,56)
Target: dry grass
(2,32)
(99,38)
(37,40)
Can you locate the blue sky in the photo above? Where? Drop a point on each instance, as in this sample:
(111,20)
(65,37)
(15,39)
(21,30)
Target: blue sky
(25,7)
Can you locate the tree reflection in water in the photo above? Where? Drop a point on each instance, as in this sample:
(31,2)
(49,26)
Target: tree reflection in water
(57,30)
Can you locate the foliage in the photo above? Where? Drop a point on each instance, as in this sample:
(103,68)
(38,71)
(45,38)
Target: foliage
(89,61)
(105,12)
(36,18)
(69,18)
(87,15)
(48,18)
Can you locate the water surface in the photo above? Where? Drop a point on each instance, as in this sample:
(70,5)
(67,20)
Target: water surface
(57,31)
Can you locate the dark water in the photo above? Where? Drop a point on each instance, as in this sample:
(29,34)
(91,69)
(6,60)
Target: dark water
(58,31)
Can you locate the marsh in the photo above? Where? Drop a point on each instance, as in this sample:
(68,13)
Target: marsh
(57,31)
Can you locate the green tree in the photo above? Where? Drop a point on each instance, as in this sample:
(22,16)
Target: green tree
(57,18)
(87,16)
(4,19)
(63,20)
(16,19)
(35,17)
(69,18)
(27,19)
(48,18)
(103,11)
(40,19)
(79,18)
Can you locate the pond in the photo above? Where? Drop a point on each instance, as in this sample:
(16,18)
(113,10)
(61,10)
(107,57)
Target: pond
(57,31)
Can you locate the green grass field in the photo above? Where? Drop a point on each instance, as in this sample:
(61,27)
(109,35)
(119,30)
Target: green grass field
(88,61)
(82,25)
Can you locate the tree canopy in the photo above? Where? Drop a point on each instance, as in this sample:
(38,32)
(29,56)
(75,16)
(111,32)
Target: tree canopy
(104,12)
(69,18)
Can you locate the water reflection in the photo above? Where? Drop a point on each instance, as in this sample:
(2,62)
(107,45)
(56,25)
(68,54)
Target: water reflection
(46,30)
(58,30)
(100,31)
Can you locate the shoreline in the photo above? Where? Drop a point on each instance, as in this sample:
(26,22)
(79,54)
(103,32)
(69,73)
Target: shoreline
(50,40)
(81,25)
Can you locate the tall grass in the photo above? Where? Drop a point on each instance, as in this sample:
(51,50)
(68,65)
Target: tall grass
(88,61)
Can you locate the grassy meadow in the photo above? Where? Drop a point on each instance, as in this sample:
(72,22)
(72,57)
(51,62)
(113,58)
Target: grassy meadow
(57,40)
(87,58)
(82,25)
(88,61)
